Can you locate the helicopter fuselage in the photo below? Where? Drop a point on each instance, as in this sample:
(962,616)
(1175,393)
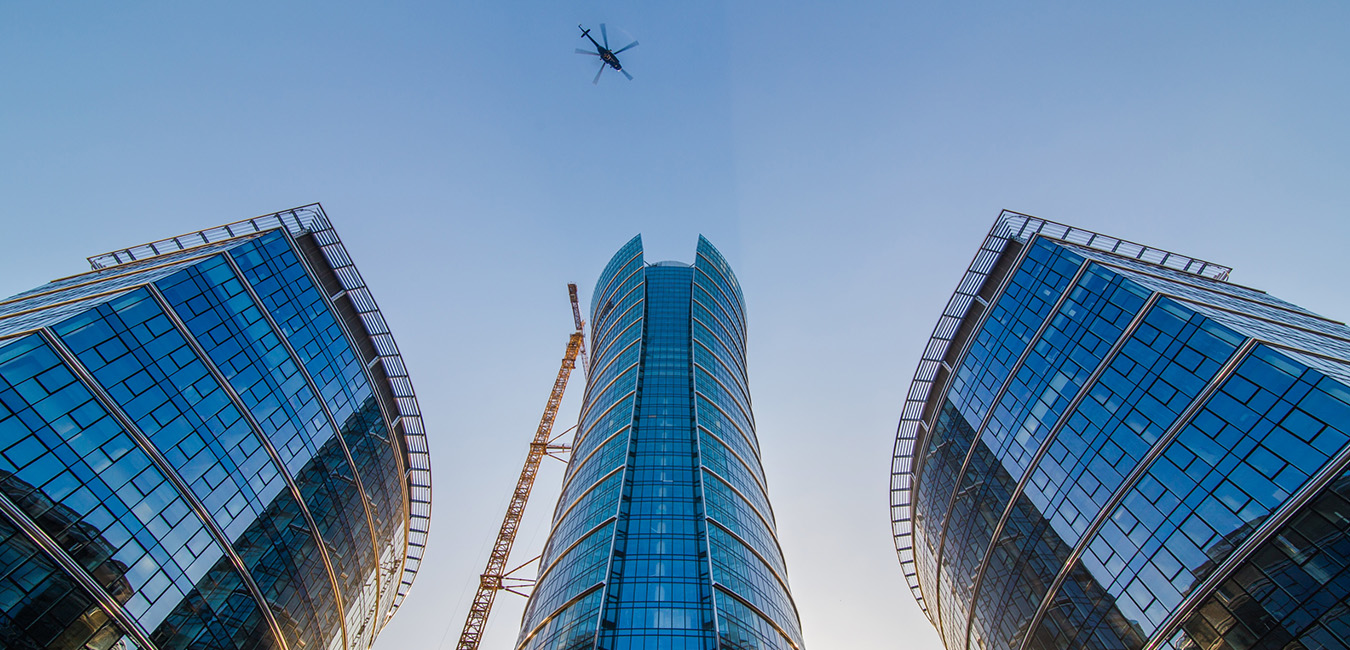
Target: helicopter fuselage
(605,53)
(609,58)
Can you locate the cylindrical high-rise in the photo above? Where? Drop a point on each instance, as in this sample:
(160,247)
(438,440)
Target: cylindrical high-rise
(207,442)
(663,536)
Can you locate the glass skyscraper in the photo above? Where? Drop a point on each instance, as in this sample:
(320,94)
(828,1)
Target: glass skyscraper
(1108,445)
(208,442)
(663,538)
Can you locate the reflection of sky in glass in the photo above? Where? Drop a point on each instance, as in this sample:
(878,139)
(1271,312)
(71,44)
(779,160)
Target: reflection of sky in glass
(664,534)
(173,419)
(845,156)
(1088,399)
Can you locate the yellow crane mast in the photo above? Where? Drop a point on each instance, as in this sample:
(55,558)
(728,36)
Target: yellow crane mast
(495,577)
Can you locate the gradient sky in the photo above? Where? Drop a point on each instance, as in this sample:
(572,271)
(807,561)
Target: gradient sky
(847,158)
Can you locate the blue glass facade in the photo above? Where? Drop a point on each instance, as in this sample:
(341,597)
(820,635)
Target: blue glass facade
(663,538)
(1110,446)
(204,444)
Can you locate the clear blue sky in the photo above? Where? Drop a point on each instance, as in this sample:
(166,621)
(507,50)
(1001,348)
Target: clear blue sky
(847,158)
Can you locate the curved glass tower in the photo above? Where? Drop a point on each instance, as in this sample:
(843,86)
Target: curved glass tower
(663,537)
(1110,446)
(207,442)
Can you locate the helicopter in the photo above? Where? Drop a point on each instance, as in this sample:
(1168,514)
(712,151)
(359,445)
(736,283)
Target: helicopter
(607,56)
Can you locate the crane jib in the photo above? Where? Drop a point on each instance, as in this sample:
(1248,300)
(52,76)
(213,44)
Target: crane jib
(495,577)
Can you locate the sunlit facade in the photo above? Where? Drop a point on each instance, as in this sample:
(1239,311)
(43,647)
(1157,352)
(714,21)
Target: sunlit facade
(663,538)
(1110,446)
(207,442)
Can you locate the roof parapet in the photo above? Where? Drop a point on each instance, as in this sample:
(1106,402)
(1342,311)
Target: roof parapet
(297,220)
(1023,226)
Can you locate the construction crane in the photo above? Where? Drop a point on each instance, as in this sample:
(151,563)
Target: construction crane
(581,324)
(495,577)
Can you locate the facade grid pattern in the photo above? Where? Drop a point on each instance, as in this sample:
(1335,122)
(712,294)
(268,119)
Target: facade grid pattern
(663,537)
(1104,450)
(217,478)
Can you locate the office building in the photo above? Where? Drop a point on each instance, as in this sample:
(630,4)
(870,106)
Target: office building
(1107,445)
(207,442)
(663,538)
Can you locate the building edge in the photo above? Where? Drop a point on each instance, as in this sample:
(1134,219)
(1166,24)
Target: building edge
(325,257)
(961,317)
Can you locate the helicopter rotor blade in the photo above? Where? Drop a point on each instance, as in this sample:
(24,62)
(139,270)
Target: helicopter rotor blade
(581,51)
(596,80)
(625,73)
(604,35)
(626,47)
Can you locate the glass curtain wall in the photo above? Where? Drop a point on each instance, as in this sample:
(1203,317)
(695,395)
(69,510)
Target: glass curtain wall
(663,537)
(195,452)
(1126,452)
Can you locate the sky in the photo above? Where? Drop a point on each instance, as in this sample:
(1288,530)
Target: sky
(847,158)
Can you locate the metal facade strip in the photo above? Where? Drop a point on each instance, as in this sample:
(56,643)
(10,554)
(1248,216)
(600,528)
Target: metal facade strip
(743,408)
(328,414)
(1044,448)
(1278,306)
(695,319)
(705,538)
(600,329)
(1265,319)
(266,443)
(617,376)
(626,482)
(921,444)
(100,279)
(782,580)
(764,489)
(184,490)
(738,371)
(1155,451)
(1244,551)
(608,346)
(739,335)
(326,239)
(612,270)
(539,577)
(758,612)
(910,438)
(768,523)
(567,480)
(750,440)
(728,280)
(124,620)
(525,639)
(984,423)
(63,303)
